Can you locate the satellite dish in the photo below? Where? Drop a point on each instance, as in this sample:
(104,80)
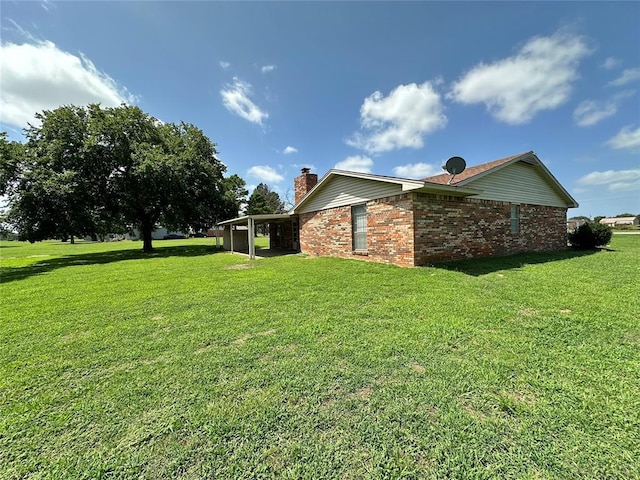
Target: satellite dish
(455,165)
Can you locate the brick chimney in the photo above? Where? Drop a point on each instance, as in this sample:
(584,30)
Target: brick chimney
(305,182)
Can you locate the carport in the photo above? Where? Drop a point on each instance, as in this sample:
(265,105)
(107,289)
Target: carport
(250,221)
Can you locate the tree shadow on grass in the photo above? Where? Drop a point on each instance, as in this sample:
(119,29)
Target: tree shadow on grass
(483,266)
(10,274)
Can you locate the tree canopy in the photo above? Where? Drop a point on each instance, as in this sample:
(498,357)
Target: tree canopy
(11,154)
(88,170)
(264,201)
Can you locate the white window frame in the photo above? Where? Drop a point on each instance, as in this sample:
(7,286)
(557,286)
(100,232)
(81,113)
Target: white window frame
(515,218)
(359,235)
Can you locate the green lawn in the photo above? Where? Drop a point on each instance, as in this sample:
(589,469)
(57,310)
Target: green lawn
(193,363)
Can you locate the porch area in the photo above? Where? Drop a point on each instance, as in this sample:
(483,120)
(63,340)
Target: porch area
(239,234)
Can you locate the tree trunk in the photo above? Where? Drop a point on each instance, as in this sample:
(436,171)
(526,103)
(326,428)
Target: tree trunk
(73,240)
(146,239)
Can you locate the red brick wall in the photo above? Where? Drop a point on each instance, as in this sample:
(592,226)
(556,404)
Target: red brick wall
(390,236)
(451,228)
(389,232)
(326,232)
(418,229)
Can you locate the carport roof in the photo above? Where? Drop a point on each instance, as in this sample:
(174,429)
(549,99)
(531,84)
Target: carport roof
(256,218)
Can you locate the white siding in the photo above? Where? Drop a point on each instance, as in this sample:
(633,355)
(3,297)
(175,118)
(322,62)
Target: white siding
(340,191)
(518,183)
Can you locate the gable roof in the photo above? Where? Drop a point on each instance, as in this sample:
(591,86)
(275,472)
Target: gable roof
(443,178)
(478,171)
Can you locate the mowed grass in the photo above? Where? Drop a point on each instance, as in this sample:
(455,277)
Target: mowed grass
(194,363)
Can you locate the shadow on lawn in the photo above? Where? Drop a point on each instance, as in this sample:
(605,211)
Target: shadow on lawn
(482,266)
(10,274)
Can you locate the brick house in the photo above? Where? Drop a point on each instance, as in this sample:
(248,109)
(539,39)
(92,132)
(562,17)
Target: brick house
(498,208)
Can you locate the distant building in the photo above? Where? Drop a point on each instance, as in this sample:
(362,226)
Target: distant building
(573,224)
(158,234)
(619,221)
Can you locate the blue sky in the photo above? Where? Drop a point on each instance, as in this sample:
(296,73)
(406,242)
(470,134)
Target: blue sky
(389,88)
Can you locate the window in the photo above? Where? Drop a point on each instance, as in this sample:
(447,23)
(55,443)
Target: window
(359,224)
(515,218)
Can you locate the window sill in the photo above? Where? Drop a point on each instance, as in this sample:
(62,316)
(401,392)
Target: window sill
(362,253)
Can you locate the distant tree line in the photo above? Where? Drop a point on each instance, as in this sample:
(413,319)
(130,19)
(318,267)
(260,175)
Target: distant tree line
(94,171)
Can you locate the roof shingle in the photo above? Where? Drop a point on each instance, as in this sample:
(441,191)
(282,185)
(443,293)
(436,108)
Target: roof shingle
(443,178)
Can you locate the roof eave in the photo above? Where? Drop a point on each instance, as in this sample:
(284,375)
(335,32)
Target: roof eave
(407,184)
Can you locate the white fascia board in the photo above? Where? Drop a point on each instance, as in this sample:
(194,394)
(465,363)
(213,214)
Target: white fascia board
(265,216)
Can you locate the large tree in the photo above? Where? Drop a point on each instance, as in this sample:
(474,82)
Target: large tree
(52,194)
(99,170)
(236,192)
(263,201)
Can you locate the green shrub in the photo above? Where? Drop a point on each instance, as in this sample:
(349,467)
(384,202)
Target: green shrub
(591,235)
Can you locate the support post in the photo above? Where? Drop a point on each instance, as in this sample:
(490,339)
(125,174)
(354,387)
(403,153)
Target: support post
(252,245)
(231,237)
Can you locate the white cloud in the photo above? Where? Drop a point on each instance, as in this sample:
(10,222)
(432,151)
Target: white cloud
(626,139)
(538,77)
(268,68)
(611,63)
(415,170)
(289,149)
(39,76)
(399,120)
(356,163)
(591,112)
(224,65)
(265,174)
(628,76)
(236,99)
(614,180)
